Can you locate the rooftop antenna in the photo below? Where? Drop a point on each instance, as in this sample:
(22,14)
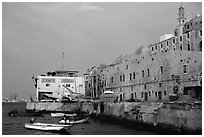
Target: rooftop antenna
(62,61)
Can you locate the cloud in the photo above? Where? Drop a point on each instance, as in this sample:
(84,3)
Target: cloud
(86,7)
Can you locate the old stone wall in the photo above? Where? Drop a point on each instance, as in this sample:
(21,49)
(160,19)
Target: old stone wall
(182,117)
(53,106)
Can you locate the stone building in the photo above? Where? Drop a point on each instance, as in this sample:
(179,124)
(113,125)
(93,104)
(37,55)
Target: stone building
(171,67)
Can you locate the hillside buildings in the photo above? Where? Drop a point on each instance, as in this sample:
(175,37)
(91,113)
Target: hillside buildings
(158,72)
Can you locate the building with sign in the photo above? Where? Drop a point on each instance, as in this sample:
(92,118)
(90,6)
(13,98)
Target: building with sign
(59,84)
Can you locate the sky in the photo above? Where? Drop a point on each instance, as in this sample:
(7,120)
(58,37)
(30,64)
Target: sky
(35,34)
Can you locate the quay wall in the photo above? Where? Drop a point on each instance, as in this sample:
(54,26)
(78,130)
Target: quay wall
(175,118)
(53,106)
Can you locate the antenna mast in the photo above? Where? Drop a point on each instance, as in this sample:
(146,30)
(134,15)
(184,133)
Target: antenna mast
(62,65)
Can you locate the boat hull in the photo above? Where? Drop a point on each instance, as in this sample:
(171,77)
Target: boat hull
(74,122)
(47,127)
(62,114)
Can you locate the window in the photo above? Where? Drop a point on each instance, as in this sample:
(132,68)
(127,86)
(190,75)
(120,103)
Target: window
(130,76)
(160,84)
(149,93)
(189,46)
(147,72)
(180,38)
(181,47)
(156,94)
(155,47)
(123,95)
(111,79)
(67,85)
(188,35)
(132,96)
(167,43)
(133,75)
(200,46)
(161,45)
(127,67)
(131,88)
(174,41)
(174,47)
(164,93)
(152,48)
(200,33)
(135,95)
(161,69)
(141,94)
(47,85)
(184,69)
(145,86)
(142,73)
(123,77)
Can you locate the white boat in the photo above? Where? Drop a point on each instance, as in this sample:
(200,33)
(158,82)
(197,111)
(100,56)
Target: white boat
(73,122)
(47,127)
(62,115)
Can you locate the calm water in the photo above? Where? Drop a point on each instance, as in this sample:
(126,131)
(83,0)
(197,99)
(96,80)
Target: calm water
(15,125)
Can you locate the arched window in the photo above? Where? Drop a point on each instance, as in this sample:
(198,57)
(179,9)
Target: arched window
(189,46)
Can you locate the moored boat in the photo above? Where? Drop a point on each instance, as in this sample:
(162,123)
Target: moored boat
(62,114)
(14,113)
(47,127)
(68,121)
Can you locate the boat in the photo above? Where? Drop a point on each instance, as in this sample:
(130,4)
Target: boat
(62,114)
(74,122)
(14,113)
(47,127)
(68,121)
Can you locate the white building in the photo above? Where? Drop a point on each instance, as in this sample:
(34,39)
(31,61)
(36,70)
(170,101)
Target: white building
(59,84)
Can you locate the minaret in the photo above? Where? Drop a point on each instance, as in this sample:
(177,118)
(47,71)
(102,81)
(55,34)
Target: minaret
(181,17)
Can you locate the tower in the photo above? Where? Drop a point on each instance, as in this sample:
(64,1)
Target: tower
(181,17)
(181,21)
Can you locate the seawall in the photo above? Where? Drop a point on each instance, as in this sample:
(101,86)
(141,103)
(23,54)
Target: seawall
(165,118)
(53,106)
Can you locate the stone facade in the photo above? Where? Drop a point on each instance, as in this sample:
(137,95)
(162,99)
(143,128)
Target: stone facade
(172,67)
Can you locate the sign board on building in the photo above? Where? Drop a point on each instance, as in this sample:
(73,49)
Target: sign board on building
(48,80)
(67,80)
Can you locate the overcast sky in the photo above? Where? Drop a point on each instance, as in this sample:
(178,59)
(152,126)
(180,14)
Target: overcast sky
(34,35)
